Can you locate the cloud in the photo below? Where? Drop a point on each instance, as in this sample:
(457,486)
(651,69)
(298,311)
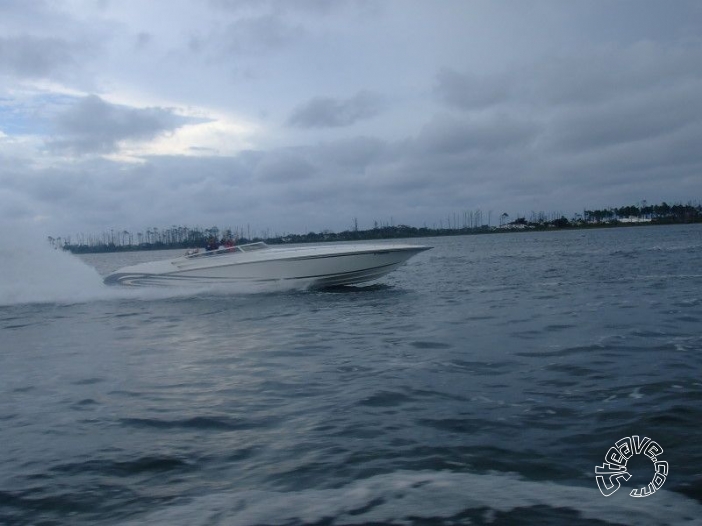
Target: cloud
(258,35)
(37,57)
(445,134)
(309,7)
(284,167)
(92,125)
(589,76)
(613,121)
(248,36)
(143,39)
(326,112)
(353,154)
(470,92)
(646,117)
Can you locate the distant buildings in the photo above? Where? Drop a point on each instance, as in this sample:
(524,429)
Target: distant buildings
(634,219)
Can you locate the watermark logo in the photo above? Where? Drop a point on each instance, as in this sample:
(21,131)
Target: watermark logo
(614,467)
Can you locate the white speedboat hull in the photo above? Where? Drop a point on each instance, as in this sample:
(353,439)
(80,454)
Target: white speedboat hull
(315,266)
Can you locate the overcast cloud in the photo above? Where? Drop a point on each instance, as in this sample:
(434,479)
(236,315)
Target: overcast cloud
(36,58)
(326,112)
(305,114)
(91,125)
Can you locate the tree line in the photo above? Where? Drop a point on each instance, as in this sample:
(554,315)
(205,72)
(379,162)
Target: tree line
(151,239)
(183,237)
(660,213)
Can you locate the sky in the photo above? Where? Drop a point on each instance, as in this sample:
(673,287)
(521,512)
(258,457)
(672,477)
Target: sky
(290,116)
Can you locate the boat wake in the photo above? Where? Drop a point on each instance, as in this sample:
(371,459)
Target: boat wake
(36,273)
(412,497)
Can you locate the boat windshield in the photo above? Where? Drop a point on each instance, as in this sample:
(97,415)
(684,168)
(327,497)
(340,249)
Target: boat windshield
(249,247)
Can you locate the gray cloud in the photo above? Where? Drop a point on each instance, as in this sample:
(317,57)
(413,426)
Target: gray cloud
(92,125)
(598,127)
(326,112)
(591,76)
(143,39)
(643,118)
(283,167)
(557,106)
(454,163)
(261,34)
(37,57)
(354,153)
(309,7)
(467,91)
(448,135)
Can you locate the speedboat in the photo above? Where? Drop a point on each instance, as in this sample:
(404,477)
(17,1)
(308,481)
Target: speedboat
(312,265)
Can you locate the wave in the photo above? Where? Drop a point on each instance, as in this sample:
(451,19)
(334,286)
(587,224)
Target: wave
(408,497)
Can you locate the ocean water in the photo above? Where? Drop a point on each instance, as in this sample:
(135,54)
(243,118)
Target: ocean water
(481,383)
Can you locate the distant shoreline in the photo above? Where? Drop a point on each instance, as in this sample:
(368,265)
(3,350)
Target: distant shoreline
(383,233)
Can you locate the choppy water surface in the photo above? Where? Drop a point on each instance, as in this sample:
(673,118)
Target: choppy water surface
(480,383)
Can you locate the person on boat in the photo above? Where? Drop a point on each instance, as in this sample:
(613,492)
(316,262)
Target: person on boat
(212,244)
(228,243)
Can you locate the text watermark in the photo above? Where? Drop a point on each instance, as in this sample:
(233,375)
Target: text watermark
(614,467)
